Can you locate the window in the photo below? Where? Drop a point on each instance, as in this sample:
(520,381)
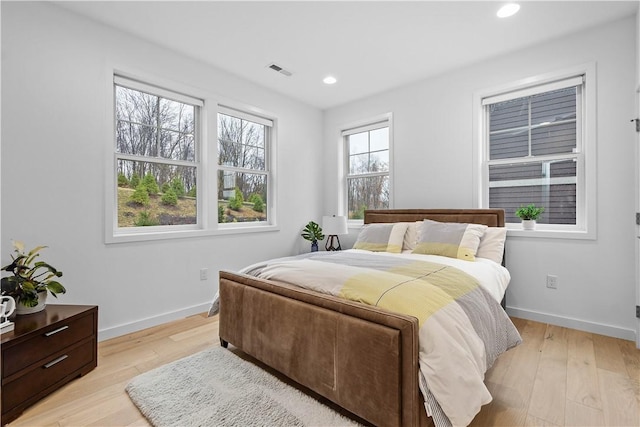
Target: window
(534,152)
(367,153)
(183,166)
(156,156)
(243,167)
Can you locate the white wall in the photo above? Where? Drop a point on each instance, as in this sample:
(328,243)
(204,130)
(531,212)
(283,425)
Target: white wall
(433,148)
(55,66)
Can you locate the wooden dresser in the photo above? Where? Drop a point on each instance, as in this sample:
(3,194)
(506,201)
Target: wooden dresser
(45,351)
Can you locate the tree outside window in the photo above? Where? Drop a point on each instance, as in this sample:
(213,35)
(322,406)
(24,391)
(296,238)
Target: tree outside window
(156,151)
(243,173)
(367,169)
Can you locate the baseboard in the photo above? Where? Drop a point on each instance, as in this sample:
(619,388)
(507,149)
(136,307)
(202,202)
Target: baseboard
(568,322)
(127,328)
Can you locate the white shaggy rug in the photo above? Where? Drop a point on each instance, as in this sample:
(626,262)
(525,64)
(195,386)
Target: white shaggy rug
(218,388)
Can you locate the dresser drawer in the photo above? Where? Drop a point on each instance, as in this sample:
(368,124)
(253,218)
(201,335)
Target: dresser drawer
(58,368)
(49,341)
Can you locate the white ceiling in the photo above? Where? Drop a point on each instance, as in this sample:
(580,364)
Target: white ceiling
(369,46)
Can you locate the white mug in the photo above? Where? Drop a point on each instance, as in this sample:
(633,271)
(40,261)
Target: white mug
(7,306)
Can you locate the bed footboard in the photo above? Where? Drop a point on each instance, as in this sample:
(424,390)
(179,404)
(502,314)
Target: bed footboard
(362,358)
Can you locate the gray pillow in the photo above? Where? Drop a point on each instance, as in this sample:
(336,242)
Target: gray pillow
(450,239)
(381,237)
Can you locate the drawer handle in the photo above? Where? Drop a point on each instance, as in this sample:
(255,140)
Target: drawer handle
(55,331)
(55,361)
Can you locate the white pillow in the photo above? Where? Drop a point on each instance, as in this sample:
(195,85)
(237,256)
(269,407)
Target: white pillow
(411,236)
(492,244)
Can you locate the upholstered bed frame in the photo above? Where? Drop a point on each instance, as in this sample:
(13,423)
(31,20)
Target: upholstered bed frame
(362,358)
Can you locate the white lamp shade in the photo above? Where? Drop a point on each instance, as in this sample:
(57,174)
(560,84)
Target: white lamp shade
(334,225)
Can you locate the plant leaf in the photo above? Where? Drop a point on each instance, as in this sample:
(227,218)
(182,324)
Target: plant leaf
(18,246)
(28,301)
(28,286)
(56,288)
(10,286)
(35,250)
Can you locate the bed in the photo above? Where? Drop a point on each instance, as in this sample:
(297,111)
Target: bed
(386,367)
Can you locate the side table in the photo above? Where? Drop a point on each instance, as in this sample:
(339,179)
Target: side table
(44,351)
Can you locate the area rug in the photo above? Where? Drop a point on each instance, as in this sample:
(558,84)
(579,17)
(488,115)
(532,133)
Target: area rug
(217,387)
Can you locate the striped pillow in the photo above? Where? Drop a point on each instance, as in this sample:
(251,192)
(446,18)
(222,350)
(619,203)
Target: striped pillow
(450,239)
(381,237)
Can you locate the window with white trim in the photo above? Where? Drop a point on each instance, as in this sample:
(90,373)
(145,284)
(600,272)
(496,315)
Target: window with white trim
(185,166)
(157,145)
(368,165)
(243,166)
(534,152)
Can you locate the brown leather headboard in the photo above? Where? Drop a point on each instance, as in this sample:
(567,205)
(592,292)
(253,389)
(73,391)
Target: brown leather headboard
(489,217)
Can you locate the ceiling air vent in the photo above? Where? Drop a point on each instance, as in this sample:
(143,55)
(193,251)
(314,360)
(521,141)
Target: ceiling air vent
(279,69)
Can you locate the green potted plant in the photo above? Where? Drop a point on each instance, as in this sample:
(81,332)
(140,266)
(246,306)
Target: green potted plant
(312,232)
(31,280)
(529,214)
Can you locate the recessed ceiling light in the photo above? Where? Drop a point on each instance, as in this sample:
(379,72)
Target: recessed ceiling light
(508,9)
(329,80)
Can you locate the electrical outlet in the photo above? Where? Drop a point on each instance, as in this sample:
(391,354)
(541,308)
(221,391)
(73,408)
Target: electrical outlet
(204,273)
(552,281)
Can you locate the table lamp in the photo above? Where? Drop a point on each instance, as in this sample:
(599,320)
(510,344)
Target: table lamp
(332,226)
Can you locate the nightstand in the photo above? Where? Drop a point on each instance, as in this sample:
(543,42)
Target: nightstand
(45,351)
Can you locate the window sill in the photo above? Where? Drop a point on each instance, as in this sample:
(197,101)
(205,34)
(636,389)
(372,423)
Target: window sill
(355,224)
(181,234)
(515,230)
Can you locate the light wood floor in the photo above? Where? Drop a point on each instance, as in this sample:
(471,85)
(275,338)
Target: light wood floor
(557,377)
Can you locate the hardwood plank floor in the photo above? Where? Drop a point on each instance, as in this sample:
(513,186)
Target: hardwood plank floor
(557,377)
